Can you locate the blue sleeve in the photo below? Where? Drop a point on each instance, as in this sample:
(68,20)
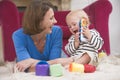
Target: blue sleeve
(19,41)
(56,49)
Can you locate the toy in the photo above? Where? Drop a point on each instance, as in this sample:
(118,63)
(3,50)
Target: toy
(56,70)
(102,54)
(42,69)
(83,23)
(75,67)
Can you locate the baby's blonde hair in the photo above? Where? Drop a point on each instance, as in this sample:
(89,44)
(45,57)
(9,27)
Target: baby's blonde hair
(79,13)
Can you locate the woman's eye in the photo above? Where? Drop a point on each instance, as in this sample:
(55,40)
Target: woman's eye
(51,18)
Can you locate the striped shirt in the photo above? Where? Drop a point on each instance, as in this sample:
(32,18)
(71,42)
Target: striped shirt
(92,46)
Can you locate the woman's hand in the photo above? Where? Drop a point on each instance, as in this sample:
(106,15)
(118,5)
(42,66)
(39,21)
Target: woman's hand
(65,61)
(23,65)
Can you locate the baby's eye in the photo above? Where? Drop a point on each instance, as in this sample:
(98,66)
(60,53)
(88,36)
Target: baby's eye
(74,24)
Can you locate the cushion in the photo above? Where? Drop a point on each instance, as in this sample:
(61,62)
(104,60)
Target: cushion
(66,32)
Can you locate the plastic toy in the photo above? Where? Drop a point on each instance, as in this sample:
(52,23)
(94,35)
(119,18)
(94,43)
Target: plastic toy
(83,23)
(42,69)
(75,67)
(56,70)
(102,54)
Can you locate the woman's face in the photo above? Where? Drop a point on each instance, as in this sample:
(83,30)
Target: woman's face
(48,21)
(73,23)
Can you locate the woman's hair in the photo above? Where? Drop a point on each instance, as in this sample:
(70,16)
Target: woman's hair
(34,15)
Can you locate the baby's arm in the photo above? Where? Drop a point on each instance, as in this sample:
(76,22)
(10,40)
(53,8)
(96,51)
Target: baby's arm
(70,47)
(96,40)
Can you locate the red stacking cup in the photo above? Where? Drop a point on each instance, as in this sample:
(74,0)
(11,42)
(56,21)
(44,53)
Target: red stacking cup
(89,68)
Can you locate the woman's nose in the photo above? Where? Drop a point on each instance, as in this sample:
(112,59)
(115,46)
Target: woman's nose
(55,21)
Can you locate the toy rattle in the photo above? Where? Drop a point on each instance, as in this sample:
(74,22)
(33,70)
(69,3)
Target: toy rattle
(83,23)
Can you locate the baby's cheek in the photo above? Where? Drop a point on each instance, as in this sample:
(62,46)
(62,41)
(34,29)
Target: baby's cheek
(72,32)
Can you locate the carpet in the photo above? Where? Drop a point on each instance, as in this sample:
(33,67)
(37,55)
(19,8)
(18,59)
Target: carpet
(107,69)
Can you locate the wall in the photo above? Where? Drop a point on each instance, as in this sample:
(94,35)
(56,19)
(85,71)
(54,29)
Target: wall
(79,4)
(61,4)
(115,27)
(114,21)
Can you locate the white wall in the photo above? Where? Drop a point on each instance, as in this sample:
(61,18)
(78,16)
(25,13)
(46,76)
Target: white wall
(80,4)
(114,24)
(114,21)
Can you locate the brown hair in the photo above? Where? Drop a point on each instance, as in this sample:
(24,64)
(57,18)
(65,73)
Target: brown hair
(34,15)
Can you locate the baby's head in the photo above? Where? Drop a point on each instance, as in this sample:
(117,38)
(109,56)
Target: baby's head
(73,18)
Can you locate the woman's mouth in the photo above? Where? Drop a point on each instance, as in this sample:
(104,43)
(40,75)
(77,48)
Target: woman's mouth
(50,27)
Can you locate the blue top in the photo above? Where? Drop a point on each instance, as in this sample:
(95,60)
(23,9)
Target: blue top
(25,47)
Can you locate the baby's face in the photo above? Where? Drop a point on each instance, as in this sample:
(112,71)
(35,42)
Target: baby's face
(72,22)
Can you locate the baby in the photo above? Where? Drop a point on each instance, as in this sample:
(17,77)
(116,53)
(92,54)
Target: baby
(84,43)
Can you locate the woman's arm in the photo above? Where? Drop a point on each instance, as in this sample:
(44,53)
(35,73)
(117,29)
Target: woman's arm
(23,58)
(20,45)
(63,61)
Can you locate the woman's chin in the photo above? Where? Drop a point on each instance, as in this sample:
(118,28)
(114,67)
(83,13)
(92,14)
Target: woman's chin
(50,32)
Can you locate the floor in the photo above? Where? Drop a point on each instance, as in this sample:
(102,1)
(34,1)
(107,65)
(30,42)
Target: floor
(108,69)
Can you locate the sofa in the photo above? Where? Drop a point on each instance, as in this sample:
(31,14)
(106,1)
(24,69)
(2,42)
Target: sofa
(98,12)
(9,21)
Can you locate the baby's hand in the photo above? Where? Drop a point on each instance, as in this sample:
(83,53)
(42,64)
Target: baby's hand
(86,33)
(77,37)
(77,41)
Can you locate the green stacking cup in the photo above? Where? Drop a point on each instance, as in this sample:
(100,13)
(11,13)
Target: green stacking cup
(56,70)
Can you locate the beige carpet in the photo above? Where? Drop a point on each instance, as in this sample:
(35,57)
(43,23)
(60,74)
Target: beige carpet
(107,69)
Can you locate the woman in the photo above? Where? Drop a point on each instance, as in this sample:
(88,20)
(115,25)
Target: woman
(39,39)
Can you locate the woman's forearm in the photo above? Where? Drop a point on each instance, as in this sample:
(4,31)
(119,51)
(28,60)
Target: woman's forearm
(62,61)
(55,61)
(32,67)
